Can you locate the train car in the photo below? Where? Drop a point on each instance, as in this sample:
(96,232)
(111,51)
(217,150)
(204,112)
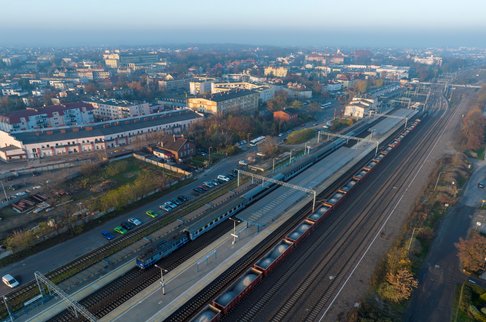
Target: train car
(335,199)
(348,186)
(163,249)
(210,313)
(370,166)
(274,256)
(320,213)
(360,175)
(299,232)
(379,157)
(214,218)
(236,291)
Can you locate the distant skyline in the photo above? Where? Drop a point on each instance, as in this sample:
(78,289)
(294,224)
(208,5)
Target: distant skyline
(412,23)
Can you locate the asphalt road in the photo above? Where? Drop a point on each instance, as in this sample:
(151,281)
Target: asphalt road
(441,274)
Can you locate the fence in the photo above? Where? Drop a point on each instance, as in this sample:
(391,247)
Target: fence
(163,165)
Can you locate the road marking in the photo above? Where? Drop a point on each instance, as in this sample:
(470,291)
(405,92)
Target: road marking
(387,218)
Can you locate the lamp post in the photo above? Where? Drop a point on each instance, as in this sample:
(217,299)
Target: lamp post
(162,281)
(209,155)
(235,236)
(8,309)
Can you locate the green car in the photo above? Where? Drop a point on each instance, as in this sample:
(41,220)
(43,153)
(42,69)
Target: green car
(120,230)
(150,213)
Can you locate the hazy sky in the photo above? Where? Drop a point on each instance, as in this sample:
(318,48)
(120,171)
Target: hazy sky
(281,22)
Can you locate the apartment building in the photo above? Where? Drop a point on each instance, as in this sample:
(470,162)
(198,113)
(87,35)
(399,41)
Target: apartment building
(235,101)
(68,114)
(111,109)
(83,139)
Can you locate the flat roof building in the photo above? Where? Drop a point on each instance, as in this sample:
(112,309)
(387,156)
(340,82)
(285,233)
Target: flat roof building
(235,101)
(98,136)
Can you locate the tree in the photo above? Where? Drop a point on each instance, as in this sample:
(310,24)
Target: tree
(473,125)
(472,252)
(361,86)
(19,240)
(269,147)
(278,102)
(398,286)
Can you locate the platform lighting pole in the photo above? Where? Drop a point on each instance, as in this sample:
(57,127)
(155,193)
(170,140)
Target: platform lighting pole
(209,157)
(162,281)
(273,165)
(290,161)
(8,309)
(318,136)
(234,234)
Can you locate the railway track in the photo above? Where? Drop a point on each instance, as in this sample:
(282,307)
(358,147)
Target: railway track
(307,301)
(185,312)
(30,289)
(122,289)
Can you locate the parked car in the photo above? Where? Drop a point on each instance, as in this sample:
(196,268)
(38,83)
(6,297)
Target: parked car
(135,221)
(198,190)
(150,213)
(182,198)
(165,207)
(224,178)
(481,185)
(208,184)
(203,187)
(10,281)
(108,235)
(120,230)
(127,225)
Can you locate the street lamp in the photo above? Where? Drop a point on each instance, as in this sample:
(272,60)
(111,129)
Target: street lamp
(235,221)
(162,281)
(8,309)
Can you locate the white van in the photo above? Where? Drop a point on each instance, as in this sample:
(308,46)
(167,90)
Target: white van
(243,163)
(10,281)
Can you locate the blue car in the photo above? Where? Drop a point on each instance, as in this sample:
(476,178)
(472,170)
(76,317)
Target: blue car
(108,235)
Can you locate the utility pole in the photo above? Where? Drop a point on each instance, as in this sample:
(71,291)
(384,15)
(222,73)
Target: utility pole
(4,192)
(162,281)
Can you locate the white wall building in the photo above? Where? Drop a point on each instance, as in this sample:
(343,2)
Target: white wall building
(99,136)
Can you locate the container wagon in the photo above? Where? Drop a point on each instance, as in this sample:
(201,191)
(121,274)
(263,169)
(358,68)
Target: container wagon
(274,256)
(236,291)
(320,213)
(348,186)
(299,232)
(208,314)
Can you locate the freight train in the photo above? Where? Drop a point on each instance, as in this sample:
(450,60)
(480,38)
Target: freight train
(228,298)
